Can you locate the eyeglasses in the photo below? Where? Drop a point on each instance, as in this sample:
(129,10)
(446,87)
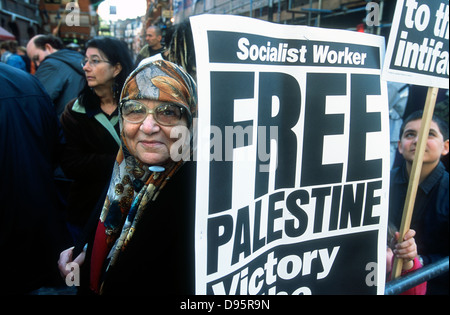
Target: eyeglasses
(93,62)
(165,114)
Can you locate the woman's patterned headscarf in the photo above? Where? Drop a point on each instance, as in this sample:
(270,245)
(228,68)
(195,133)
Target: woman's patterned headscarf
(134,185)
(162,81)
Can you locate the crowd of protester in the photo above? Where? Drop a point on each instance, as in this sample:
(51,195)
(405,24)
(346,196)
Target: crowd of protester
(75,166)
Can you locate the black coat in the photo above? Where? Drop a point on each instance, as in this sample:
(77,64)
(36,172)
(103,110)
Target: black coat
(429,219)
(88,159)
(159,260)
(32,230)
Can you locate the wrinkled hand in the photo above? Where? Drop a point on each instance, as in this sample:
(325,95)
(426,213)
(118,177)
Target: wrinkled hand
(66,257)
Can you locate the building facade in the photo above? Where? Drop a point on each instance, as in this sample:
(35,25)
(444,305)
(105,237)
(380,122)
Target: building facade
(72,20)
(20,18)
(342,14)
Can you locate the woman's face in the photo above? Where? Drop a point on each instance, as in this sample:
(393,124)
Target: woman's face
(98,70)
(149,141)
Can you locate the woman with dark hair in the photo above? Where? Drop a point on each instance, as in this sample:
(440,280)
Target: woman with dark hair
(91,127)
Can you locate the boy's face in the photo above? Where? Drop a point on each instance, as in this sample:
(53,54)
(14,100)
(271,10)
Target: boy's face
(435,148)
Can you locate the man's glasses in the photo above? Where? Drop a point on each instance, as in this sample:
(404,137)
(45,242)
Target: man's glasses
(165,114)
(93,62)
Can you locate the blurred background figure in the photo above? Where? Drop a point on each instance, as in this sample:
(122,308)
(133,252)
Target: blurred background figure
(32,230)
(29,66)
(153,38)
(59,69)
(9,55)
(91,127)
(181,48)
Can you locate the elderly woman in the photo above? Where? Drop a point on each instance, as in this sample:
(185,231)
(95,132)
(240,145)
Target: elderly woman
(144,239)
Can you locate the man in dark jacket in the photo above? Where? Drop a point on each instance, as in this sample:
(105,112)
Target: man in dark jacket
(32,229)
(59,69)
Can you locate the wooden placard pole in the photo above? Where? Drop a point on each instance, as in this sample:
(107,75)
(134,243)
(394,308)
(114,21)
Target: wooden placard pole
(415,172)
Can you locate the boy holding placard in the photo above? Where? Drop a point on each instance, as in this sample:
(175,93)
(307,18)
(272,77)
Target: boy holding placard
(431,209)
